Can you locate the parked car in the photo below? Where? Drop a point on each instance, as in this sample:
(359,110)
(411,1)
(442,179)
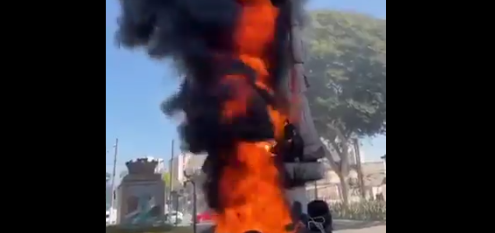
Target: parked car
(204,217)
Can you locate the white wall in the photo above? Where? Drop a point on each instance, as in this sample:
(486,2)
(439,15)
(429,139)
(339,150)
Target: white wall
(111,216)
(181,162)
(176,168)
(160,167)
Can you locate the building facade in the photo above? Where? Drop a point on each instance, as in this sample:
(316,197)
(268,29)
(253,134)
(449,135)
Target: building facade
(160,167)
(184,162)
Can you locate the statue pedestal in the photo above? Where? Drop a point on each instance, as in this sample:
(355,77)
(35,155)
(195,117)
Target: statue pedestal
(309,172)
(141,194)
(136,192)
(298,194)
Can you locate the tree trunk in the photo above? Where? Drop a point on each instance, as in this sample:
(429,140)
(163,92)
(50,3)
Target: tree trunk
(341,167)
(359,168)
(344,189)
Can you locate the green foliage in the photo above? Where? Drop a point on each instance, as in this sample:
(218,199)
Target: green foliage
(166,178)
(347,73)
(365,210)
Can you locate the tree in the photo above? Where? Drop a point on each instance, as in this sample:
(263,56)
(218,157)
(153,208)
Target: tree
(166,178)
(347,76)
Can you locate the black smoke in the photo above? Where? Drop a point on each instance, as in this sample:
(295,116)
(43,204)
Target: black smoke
(197,36)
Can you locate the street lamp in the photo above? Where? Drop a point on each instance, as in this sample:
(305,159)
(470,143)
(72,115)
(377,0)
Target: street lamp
(189,179)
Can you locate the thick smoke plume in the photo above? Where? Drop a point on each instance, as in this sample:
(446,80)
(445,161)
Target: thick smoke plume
(197,36)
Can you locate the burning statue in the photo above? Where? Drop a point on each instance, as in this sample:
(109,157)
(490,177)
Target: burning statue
(235,55)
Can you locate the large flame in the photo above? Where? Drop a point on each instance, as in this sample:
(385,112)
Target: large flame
(251,190)
(206,39)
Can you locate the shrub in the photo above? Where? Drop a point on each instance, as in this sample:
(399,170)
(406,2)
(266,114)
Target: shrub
(364,210)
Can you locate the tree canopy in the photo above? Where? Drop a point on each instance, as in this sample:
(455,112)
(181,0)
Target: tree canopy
(346,68)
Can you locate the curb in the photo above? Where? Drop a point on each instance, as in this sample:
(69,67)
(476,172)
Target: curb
(357,221)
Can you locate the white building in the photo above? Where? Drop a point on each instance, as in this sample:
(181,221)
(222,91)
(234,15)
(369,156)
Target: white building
(182,162)
(111,216)
(160,167)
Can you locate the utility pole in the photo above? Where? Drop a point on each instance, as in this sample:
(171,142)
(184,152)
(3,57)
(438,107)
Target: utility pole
(316,189)
(171,173)
(177,195)
(108,175)
(115,151)
(190,179)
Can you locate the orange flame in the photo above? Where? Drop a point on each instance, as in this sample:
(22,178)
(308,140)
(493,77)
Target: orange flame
(251,191)
(252,195)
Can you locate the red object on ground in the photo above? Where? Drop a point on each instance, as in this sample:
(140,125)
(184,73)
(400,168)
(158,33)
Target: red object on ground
(203,217)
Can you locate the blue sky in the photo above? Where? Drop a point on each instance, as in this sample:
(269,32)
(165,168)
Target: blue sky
(135,86)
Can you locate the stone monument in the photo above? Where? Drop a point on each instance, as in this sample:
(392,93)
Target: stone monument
(141,194)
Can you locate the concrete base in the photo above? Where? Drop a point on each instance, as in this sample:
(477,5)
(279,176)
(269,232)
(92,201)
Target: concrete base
(298,194)
(305,171)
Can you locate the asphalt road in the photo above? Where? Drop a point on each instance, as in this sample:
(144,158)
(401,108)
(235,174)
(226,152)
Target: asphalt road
(340,226)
